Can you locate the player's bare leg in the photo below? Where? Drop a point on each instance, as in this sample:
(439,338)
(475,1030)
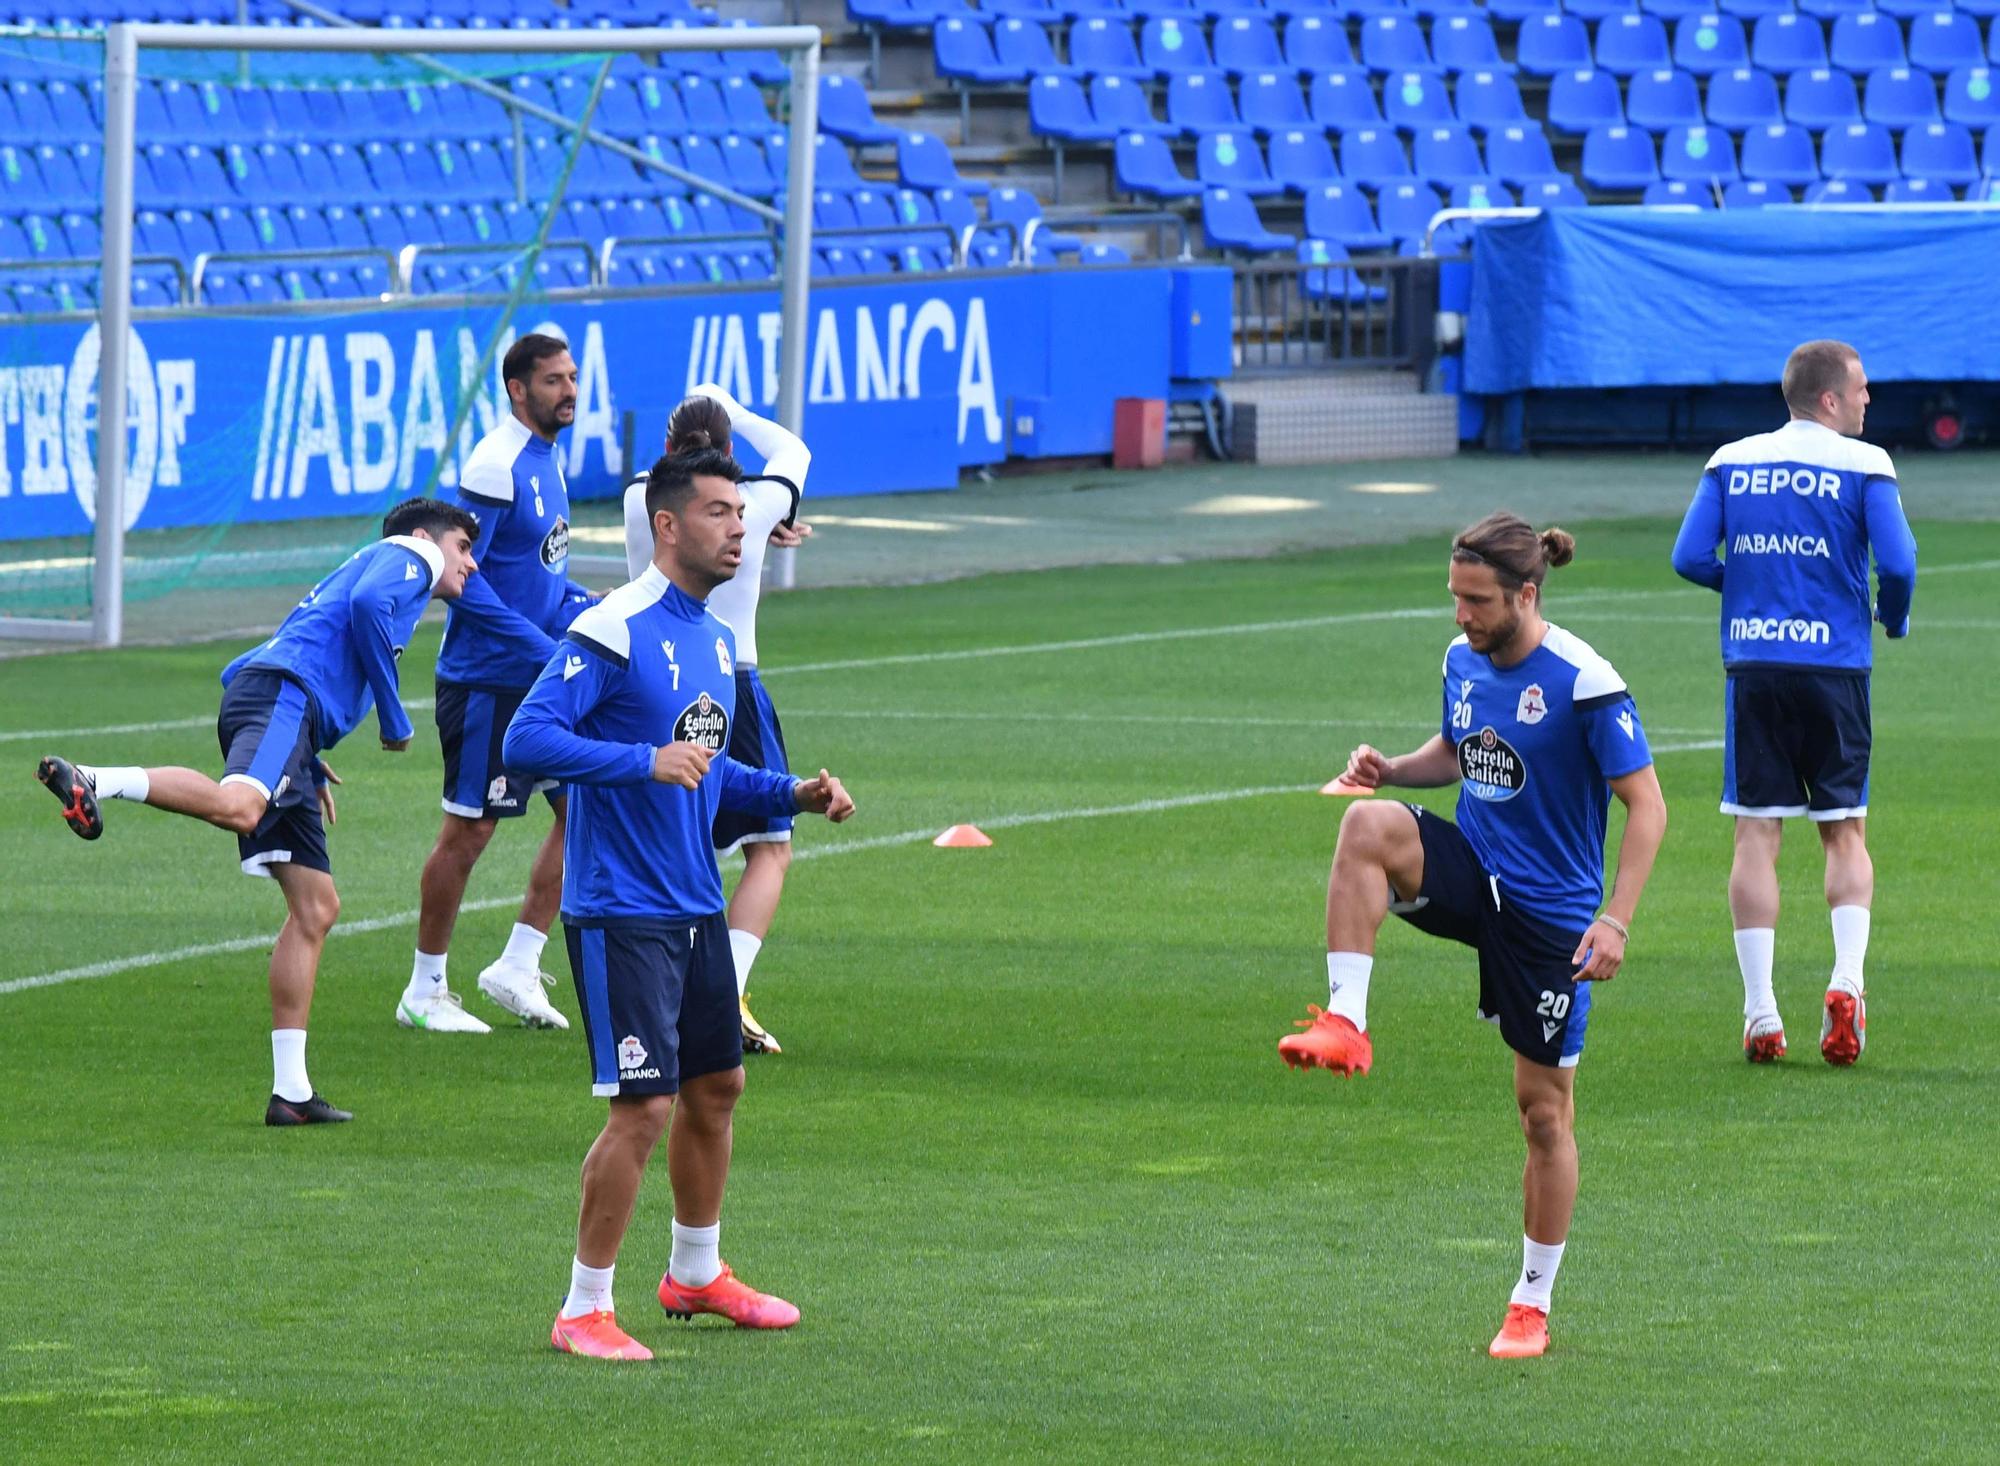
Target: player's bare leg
(515,980)
(697,1279)
(312,905)
(1546,1098)
(612,1172)
(1753,911)
(1378,858)
(1850,893)
(428,1002)
(753,906)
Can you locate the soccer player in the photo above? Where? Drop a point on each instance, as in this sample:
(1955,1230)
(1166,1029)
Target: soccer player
(496,638)
(1538,731)
(706,419)
(634,713)
(1798,511)
(285,703)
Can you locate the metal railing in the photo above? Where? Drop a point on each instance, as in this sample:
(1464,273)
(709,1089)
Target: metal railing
(1375,313)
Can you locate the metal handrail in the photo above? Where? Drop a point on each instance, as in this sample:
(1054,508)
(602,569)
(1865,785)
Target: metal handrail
(97,262)
(249,257)
(407,256)
(1142,218)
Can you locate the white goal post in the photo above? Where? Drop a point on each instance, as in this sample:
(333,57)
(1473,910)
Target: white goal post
(799,44)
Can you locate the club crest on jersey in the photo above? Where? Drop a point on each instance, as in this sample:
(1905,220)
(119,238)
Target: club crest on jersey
(703,721)
(555,545)
(722,657)
(1533,706)
(1490,767)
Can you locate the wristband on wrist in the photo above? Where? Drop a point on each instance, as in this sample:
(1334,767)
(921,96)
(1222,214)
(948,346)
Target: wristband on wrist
(1616,925)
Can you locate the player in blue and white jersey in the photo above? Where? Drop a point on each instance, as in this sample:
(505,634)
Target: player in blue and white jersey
(285,703)
(709,418)
(1538,731)
(1797,512)
(496,638)
(634,714)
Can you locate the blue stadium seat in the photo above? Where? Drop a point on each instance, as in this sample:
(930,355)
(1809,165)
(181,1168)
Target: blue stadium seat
(743,101)
(1584,98)
(1229,221)
(75,122)
(1971,96)
(1316,43)
(1482,193)
(1698,154)
(1831,9)
(1755,10)
(1898,97)
(1142,163)
(1941,152)
(1416,99)
(1373,157)
(1658,100)
(922,161)
(1860,152)
(1447,156)
(345,226)
(1673,10)
(833,211)
(1911,9)
(1679,191)
(1489,99)
(1234,161)
(1597,11)
(1122,103)
(1105,48)
(1863,43)
(1173,43)
(832,167)
(1462,43)
(221,228)
(963,50)
(1200,102)
(702,101)
(1404,209)
(1302,160)
(1548,44)
(1619,158)
(1520,12)
(1754,193)
(1782,153)
(1333,280)
(1742,99)
(1271,101)
(1244,44)
(1945,39)
(1919,191)
(1822,99)
(1340,212)
(1393,43)
(308,227)
(1627,44)
(1987,190)
(1340,100)
(844,111)
(44,238)
(747,169)
(1788,43)
(1553,193)
(1024,43)
(1520,155)
(1057,107)
(1839,191)
(1023,210)
(153,233)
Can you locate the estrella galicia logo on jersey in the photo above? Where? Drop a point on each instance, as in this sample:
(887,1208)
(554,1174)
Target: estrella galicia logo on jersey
(555,546)
(1492,770)
(703,721)
(1533,706)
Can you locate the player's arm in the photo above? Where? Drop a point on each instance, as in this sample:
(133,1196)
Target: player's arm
(1432,766)
(1895,553)
(542,738)
(1701,532)
(488,494)
(1602,951)
(374,610)
(785,456)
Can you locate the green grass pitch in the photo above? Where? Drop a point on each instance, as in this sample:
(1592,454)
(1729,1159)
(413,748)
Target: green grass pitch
(1029,1164)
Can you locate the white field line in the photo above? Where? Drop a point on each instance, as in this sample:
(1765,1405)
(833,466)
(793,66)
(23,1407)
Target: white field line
(112,966)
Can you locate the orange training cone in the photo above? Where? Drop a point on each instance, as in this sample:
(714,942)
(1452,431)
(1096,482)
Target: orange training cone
(962,837)
(1343,786)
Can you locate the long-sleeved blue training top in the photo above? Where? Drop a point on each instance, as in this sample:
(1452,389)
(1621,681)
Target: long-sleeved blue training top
(500,632)
(342,642)
(646,666)
(1797,512)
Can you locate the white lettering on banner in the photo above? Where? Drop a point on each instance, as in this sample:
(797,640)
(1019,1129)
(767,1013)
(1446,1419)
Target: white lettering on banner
(1779,628)
(42,468)
(10,414)
(1805,482)
(80,416)
(975,375)
(829,380)
(424,419)
(878,374)
(319,424)
(176,379)
(1808,545)
(371,384)
(770,330)
(595,421)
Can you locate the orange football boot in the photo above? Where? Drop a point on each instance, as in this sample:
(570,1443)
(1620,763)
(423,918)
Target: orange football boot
(596,1336)
(738,1302)
(1844,1032)
(1329,1042)
(1764,1042)
(1525,1334)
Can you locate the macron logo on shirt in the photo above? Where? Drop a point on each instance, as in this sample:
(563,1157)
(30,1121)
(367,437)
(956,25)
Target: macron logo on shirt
(1625,722)
(571,667)
(409,572)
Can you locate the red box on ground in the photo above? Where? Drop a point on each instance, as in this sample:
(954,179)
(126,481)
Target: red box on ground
(1138,432)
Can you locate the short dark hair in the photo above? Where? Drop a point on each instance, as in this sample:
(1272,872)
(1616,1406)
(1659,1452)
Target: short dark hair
(528,353)
(671,483)
(1509,545)
(1814,369)
(699,422)
(433,516)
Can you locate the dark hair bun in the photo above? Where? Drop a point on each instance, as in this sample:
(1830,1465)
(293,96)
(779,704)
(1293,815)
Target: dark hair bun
(1558,547)
(692,440)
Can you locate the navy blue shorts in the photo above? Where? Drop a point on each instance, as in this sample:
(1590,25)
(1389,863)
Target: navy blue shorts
(472,724)
(269,742)
(754,739)
(1796,742)
(1527,984)
(658,1002)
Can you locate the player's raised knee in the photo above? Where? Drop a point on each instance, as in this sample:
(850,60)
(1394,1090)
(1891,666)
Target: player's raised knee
(1370,829)
(243,808)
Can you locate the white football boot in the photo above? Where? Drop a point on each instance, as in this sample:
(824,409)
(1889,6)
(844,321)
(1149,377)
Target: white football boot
(519,991)
(442,1012)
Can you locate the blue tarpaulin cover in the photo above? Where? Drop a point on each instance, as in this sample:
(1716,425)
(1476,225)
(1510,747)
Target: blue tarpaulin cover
(1632,298)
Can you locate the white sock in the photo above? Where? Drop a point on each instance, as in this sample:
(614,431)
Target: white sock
(1347,986)
(744,948)
(1539,1261)
(288,1065)
(589,1290)
(524,948)
(1755,946)
(1850,946)
(118,783)
(696,1259)
(426,977)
